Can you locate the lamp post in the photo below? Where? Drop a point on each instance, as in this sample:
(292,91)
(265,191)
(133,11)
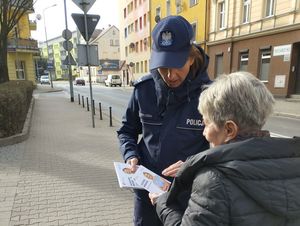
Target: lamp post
(51,82)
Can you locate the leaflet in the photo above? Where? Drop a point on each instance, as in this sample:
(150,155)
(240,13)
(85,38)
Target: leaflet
(143,178)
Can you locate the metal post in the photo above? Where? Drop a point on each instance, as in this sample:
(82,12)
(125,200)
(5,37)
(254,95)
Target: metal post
(69,59)
(93,107)
(88,56)
(100,111)
(50,74)
(87,104)
(82,101)
(110,117)
(78,98)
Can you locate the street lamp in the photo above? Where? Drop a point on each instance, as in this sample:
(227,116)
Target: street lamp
(51,82)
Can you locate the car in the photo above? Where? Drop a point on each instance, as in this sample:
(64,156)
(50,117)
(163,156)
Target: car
(113,80)
(44,79)
(79,81)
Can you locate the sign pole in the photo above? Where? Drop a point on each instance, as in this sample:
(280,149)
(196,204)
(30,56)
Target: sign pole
(69,59)
(88,61)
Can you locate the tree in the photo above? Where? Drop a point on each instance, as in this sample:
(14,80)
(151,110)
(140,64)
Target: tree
(11,12)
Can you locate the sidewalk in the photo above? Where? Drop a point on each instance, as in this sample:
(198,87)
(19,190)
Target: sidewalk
(63,173)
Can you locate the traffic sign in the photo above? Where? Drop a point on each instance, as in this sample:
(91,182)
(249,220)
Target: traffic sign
(66,60)
(84,5)
(67,34)
(92,21)
(82,55)
(68,45)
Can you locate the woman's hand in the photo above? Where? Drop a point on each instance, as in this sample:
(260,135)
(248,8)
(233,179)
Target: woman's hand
(133,164)
(172,170)
(153,197)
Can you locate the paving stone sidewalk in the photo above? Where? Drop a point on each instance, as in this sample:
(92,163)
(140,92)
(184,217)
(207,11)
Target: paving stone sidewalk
(63,174)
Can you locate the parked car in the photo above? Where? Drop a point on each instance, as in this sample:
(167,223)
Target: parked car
(44,79)
(79,81)
(113,80)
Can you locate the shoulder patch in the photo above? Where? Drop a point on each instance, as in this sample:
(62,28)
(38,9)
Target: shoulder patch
(142,79)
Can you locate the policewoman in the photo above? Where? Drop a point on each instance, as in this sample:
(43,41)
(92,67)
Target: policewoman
(163,109)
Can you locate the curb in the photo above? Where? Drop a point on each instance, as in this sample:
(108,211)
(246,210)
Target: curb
(287,115)
(20,137)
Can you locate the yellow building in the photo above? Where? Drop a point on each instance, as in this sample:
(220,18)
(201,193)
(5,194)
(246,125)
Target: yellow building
(57,55)
(22,50)
(195,11)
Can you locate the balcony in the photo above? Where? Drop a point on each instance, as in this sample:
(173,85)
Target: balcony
(22,45)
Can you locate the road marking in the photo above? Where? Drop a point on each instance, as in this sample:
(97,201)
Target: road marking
(279,135)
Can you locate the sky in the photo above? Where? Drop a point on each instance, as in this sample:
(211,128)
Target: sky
(55,17)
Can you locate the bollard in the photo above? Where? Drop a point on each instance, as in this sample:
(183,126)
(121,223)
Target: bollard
(100,111)
(87,104)
(110,117)
(82,101)
(78,98)
(93,107)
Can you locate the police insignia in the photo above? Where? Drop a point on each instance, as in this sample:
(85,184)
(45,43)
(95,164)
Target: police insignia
(166,38)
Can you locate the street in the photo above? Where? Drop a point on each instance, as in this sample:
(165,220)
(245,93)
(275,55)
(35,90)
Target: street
(117,98)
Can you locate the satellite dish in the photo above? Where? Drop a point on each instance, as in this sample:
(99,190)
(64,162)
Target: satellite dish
(157,18)
(131,64)
(38,16)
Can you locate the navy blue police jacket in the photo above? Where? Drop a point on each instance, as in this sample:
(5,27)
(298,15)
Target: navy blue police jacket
(167,120)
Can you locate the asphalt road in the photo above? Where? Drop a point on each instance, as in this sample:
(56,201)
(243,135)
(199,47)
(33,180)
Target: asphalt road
(117,98)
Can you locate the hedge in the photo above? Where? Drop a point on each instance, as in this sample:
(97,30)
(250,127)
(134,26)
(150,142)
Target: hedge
(15,98)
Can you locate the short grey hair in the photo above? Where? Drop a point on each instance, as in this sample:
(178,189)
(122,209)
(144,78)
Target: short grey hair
(239,97)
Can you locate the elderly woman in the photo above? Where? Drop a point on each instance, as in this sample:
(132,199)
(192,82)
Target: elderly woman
(247,177)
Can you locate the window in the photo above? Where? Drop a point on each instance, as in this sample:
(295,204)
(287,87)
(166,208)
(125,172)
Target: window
(264,67)
(141,45)
(20,69)
(136,25)
(194,26)
(178,6)
(244,61)
(124,12)
(269,7)
(137,67)
(193,2)
(111,42)
(168,8)
(142,66)
(246,11)
(126,51)
(125,32)
(141,23)
(145,44)
(221,7)
(219,65)
(145,20)
(137,47)
(146,66)
(157,12)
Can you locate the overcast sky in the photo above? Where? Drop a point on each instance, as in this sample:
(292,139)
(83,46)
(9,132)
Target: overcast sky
(55,17)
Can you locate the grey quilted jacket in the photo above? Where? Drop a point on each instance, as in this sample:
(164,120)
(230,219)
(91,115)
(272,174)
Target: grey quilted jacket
(252,182)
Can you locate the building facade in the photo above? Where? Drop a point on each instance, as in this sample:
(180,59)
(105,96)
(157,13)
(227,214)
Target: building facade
(57,55)
(22,50)
(195,11)
(262,37)
(108,45)
(134,39)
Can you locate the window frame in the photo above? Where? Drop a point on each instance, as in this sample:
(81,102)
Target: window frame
(264,53)
(221,15)
(269,8)
(246,12)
